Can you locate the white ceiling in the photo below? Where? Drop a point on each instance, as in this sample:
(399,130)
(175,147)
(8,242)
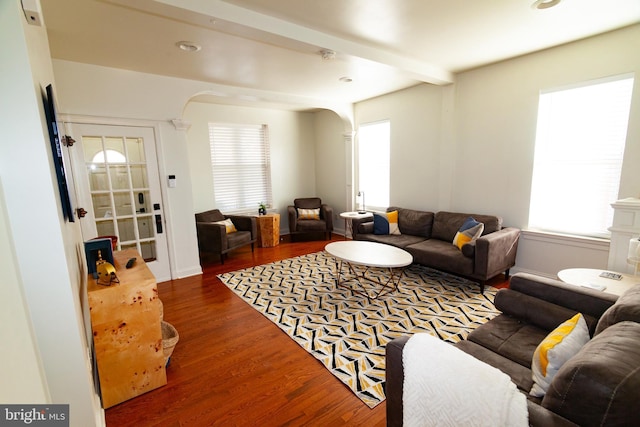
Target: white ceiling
(268,50)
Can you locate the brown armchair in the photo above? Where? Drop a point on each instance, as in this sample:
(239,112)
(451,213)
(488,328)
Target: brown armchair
(213,236)
(301,224)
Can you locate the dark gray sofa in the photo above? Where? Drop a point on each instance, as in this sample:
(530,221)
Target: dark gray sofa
(600,385)
(428,237)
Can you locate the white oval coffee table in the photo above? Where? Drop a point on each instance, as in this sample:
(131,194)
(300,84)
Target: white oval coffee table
(358,257)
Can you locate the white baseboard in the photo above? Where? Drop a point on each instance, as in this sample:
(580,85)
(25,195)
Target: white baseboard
(188,272)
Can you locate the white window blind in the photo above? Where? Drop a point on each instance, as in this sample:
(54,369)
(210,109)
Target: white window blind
(374,148)
(241,166)
(579,149)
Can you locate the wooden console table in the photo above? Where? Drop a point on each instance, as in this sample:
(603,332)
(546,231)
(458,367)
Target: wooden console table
(268,230)
(127,331)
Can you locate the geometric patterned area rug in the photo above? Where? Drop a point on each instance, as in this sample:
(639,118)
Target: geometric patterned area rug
(347,332)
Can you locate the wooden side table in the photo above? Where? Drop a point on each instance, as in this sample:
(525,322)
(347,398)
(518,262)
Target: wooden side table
(127,332)
(268,230)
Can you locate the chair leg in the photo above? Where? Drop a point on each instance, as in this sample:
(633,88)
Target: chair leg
(221,258)
(506,274)
(252,247)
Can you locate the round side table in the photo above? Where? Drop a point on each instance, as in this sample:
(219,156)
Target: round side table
(349,217)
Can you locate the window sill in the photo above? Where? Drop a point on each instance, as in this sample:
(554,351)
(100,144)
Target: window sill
(565,239)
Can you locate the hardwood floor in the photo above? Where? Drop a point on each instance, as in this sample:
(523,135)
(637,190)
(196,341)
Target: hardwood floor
(233,367)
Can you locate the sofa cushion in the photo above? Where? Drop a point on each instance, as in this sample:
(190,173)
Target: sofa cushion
(627,307)
(442,256)
(447,224)
(413,222)
(213,215)
(510,338)
(307,203)
(398,240)
(559,346)
(386,223)
(528,309)
(600,385)
(519,374)
(470,230)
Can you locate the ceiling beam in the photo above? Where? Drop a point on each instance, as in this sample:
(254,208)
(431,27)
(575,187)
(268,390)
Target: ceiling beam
(219,9)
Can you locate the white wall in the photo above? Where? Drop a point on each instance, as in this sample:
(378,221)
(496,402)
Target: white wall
(468,147)
(123,97)
(332,164)
(306,154)
(291,138)
(44,251)
(495,121)
(416,135)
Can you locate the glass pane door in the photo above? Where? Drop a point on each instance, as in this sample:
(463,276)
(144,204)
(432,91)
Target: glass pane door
(120,193)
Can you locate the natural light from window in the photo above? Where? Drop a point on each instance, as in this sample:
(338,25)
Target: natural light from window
(373,163)
(112,156)
(241,165)
(580,143)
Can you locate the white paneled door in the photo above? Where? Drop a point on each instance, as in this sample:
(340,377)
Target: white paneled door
(116,174)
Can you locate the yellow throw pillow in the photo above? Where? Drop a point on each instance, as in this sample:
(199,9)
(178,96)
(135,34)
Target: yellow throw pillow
(393,222)
(468,232)
(228,224)
(560,345)
(308,213)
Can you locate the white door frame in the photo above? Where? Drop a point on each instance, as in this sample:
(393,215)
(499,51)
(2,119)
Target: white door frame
(106,121)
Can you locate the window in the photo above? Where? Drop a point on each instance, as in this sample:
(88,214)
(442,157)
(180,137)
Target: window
(373,164)
(241,166)
(579,149)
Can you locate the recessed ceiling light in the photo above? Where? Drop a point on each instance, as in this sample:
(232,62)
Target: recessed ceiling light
(544,4)
(346,79)
(188,46)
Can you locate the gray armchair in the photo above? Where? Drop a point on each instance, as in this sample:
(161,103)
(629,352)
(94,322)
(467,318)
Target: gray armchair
(300,225)
(213,237)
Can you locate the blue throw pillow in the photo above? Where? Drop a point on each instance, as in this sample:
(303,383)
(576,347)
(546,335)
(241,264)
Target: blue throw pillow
(380,224)
(468,223)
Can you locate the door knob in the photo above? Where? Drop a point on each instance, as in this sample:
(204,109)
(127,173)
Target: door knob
(81,212)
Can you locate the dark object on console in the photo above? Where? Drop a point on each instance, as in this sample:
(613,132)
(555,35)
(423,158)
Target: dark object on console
(428,237)
(100,247)
(600,385)
(298,224)
(213,238)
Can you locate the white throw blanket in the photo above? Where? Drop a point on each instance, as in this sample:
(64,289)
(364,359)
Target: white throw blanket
(444,386)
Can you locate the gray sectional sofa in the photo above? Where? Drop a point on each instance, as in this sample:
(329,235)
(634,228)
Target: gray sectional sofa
(598,386)
(428,237)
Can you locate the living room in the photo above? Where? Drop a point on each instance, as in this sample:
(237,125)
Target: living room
(462,147)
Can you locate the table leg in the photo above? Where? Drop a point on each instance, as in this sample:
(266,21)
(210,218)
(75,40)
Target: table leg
(384,287)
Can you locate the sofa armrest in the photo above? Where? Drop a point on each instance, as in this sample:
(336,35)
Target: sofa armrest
(361,226)
(293,218)
(541,313)
(580,299)
(211,237)
(540,416)
(245,223)
(327,214)
(394,380)
(496,252)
